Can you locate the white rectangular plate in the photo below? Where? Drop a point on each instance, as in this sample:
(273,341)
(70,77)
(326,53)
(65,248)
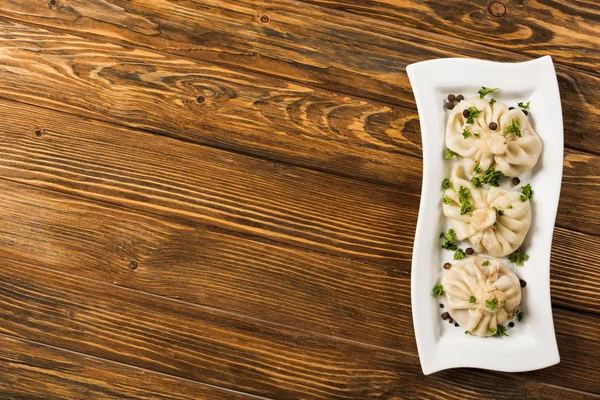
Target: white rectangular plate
(531,344)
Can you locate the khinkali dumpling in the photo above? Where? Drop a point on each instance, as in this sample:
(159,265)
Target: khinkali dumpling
(497,220)
(513,147)
(481,297)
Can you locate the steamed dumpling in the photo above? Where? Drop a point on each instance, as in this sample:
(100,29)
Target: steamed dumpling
(469,284)
(498,220)
(484,147)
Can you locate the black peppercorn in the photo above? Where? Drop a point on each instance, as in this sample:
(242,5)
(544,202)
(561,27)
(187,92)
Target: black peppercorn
(511,324)
(460,97)
(466,113)
(493,126)
(469,251)
(511,108)
(449,105)
(522,282)
(525,112)
(445,316)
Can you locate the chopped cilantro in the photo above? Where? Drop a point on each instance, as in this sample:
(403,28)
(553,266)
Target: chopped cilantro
(450,154)
(473,113)
(466,133)
(513,128)
(518,258)
(476,181)
(485,263)
(477,169)
(464,198)
(467,332)
(499,213)
(492,177)
(527,192)
(459,254)
(438,290)
(446,200)
(524,106)
(483,91)
(472,299)
(446,183)
(449,240)
(491,330)
(492,101)
(520,316)
(502,330)
(491,304)
(510,207)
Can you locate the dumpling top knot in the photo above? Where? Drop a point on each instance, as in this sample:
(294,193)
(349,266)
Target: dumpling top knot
(490,135)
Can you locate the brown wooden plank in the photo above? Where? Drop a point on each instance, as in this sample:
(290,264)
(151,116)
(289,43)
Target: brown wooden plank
(170,177)
(321,293)
(566,30)
(312,45)
(261,358)
(244,112)
(206,266)
(31,371)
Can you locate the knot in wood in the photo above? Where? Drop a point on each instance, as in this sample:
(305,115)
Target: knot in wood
(497,9)
(264,19)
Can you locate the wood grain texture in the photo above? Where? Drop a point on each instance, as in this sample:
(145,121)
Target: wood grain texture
(170,177)
(268,281)
(285,203)
(263,359)
(315,46)
(532,27)
(31,371)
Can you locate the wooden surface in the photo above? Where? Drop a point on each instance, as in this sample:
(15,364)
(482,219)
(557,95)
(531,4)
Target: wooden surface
(217,199)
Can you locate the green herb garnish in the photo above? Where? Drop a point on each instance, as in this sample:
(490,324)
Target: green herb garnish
(450,154)
(502,330)
(449,240)
(491,330)
(491,304)
(472,299)
(513,128)
(477,169)
(467,332)
(446,183)
(446,200)
(438,290)
(464,198)
(492,177)
(518,258)
(459,254)
(473,113)
(510,207)
(492,101)
(519,316)
(485,263)
(527,192)
(483,91)
(476,181)
(499,213)
(524,106)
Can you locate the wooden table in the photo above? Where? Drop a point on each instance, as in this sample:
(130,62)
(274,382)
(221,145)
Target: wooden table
(217,199)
